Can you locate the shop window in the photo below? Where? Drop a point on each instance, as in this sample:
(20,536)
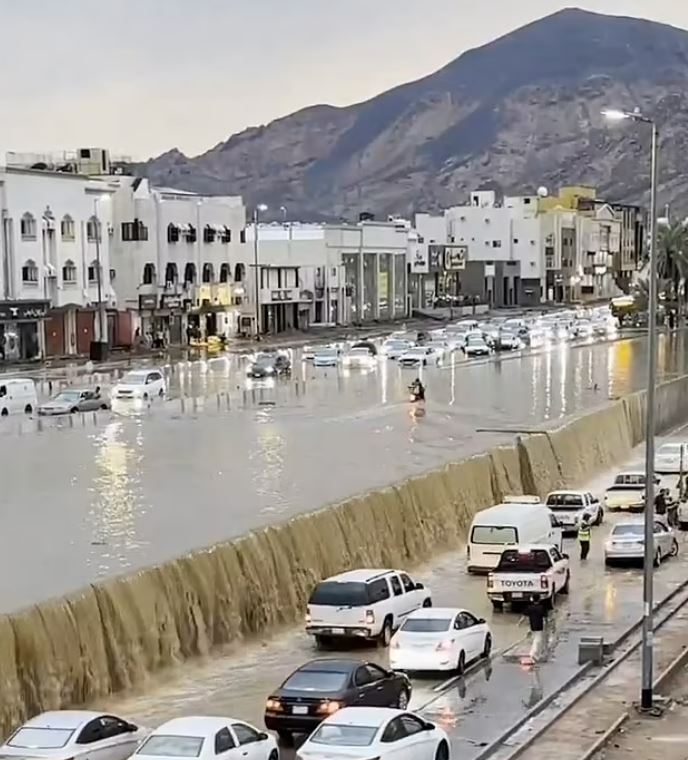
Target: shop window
(67,228)
(172,233)
(190,274)
(224,273)
(28,227)
(30,272)
(69,272)
(208,273)
(149,274)
(93,230)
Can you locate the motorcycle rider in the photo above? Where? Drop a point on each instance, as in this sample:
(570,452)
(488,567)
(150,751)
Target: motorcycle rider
(418,390)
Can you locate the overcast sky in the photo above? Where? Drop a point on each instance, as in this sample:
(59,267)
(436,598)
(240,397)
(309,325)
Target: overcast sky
(143,76)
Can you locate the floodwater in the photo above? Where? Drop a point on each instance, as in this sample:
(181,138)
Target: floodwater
(89,498)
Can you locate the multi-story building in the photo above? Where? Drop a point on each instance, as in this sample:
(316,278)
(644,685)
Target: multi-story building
(55,262)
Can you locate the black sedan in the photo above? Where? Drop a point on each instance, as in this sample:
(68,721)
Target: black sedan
(269,365)
(321,687)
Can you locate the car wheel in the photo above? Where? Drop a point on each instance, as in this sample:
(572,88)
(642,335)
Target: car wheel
(442,752)
(461,663)
(74,411)
(4,412)
(286,737)
(487,647)
(145,397)
(403,700)
(565,587)
(497,606)
(550,602)
(674,548)
(600,517)
(323,642)
(274,755)
(427,602)
(28,409)
(103,406)
(161,393)
(386,633)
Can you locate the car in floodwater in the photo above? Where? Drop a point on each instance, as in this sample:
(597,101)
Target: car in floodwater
(326,357)
(626,542)
(268,364)
(74,400)
(322,687)
(376,732)
(393,348)
(74,735)
(140,384)
(419,356)
(208,738)
(439,638)
(476,345)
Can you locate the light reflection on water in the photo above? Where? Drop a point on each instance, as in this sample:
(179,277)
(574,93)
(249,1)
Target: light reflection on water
(150,487)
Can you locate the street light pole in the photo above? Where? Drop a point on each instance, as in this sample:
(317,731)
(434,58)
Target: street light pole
(256,218)
(646,696)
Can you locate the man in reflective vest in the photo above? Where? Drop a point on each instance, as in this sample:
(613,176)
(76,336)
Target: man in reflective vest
(584,537)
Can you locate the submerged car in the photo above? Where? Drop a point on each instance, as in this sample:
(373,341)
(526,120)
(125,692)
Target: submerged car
(140,384)
(419,356)
(326,357)
(395,347)
(476,345)
(360,356)
(73,401)
(268,365)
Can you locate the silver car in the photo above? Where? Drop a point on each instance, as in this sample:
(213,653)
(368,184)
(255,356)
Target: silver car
(73,401)
(626,542)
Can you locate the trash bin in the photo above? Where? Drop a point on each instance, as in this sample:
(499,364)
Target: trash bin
(98,351)
(591,649)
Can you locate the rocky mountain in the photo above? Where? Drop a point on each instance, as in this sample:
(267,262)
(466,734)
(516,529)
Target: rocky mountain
(520,112)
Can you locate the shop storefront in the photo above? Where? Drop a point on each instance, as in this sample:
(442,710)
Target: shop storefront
(21,330)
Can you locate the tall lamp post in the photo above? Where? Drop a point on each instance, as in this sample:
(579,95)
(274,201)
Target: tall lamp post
(260,208)
(99,351)
(648,572)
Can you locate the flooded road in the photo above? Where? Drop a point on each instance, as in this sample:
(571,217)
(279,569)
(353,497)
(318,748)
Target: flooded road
(475,708)
(96,497)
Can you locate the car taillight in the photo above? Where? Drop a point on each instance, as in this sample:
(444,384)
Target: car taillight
(544,581)
(369,617)
(308,616)
(274,705)
(329,708)
(444,645)
(490,580)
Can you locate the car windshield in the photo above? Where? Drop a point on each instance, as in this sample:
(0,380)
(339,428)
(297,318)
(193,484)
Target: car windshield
(40,738)
(629,529)
(334,594)
(162,745)
(670,450)
(327,352)
(475,339)
(494,534)
(417,352)
(514,561)
(564,501)
(629,480)
(68,397)
(426,625)
(359,352)
(316,680)
(264,359)
(134,379)
(335,735)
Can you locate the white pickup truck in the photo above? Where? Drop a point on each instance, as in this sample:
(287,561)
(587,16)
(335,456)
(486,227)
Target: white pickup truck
(524,573)
(570,507)
(627,492)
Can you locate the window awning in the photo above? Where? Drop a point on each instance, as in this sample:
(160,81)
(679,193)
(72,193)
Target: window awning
(184,227)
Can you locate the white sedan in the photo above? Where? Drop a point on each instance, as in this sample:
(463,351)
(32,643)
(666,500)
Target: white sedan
(670,457)
(476,345)
(64,734)
(206,738)
(395,347)
(360,357)
(626,542)
(376,732)
(419,356)
(140,384)
(438,638)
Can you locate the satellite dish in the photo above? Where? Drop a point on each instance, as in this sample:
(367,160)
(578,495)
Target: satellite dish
(543,192)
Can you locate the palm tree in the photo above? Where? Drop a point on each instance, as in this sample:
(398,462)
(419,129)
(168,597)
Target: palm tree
(672,257)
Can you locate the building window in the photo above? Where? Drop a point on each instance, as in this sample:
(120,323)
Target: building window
(190,274)
(113,275)
(208,234)
(93,273)
(149,274)
(69,273)
(171,274)
(515,241)
(134,231)
(28,227)
(93,230)
(208,273)
(496,243)
(224,273)
(242,236)
(226,236)
(67,228)
(172,233)
(30,272)
(190,234)
(239,272)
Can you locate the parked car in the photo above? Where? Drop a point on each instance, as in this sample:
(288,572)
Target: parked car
(419,356)
(74,400)
(208,738)
(626,542)
(323,687)
(74,735)
(17,396)
(363,604)
(268,364)
(140,384)
(376,732)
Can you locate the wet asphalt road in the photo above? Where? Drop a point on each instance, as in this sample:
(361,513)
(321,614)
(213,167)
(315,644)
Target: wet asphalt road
(473,709)
(105,494)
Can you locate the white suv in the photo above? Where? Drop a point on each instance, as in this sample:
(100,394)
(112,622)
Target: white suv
(363,604)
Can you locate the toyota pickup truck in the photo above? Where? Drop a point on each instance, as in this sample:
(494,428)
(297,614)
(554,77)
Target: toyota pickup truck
(627,492)
(524,573)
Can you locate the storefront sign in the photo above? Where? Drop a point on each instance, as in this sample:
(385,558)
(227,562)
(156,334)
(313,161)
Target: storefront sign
(455,257)
(419,260)
(15,310)
(281,295)
(171,302)
(149,301)
(436,258)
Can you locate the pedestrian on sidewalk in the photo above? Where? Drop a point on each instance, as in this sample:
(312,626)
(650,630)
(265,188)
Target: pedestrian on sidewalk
(584,537)
(536,618)
(660,502)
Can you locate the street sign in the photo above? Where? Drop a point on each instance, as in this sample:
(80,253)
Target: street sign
(455,257)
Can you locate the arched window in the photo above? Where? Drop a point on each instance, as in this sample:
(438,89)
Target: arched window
(92,272)
(225,273)
(67,228)
(149,274)
(171,274)
(172,233)
(208,273)
(190,274)
(69,273)
(30,272)
(28,227)
(93,230)
(239,272)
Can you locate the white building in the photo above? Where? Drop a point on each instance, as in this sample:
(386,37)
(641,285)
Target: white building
(54,228)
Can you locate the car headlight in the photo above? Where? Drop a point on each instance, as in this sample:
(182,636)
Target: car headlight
(270,370)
